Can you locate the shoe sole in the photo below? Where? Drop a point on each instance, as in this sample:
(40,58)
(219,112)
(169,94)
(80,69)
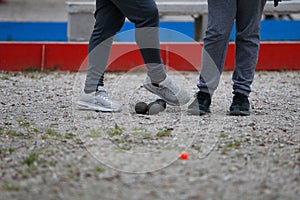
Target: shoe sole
(238,113)
(168,102)
(198,112)
(85,106)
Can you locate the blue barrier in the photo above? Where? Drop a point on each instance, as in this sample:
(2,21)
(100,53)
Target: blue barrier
(277,30)
(274,30)
(169,31)
(33,31)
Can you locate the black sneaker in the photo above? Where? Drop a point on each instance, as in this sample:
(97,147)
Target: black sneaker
(200,105)
(240,105)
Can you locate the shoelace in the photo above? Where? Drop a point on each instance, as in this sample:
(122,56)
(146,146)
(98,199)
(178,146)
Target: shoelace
(167,90)
(103,95)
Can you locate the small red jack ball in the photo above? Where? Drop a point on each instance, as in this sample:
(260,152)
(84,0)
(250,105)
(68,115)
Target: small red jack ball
(184,155)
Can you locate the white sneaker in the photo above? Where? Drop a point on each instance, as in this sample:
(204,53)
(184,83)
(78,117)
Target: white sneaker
(168,91)
(98,101)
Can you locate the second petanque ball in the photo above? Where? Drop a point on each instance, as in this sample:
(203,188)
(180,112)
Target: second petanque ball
(162,102)
(141,108)
(154,108)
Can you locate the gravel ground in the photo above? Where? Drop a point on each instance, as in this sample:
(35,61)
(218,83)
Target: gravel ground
(50,150)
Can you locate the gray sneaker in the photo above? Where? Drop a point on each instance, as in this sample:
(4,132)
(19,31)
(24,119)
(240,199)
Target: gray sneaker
(98,101)
(168,91)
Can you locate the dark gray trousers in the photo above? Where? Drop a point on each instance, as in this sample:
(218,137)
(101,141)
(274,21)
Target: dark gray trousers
(221,16)
(110,16)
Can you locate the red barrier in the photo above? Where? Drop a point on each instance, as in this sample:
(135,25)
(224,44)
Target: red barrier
(16,56)
(65,56)
(279,56)
(125,56)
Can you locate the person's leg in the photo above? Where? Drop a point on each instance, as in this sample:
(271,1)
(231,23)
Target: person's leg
(109,21)
(248,19)
(247,47)
(144,14)
(221,15)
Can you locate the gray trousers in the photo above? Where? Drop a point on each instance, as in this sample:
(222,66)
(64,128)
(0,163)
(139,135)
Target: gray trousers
(110,16)
(221,16)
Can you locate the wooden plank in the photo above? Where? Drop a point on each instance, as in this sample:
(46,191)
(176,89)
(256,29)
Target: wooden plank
(201,8)
(182,8)
(189,7)
(284,7)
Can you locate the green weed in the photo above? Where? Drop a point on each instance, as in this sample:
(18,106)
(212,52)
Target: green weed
(117,130)
(141,133)
(95,133)
(44,137)
(88,117)
(52,163)
(31,169)
(36,130)
(24,123)
(53,133)
(125,147)
(11,150)
(232,144)
(31,158)
(13,133)
(223,135)
(164,133)
(10,186)
(119,140)
(31,70)
(99,169)
(69,135)
(5,77)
